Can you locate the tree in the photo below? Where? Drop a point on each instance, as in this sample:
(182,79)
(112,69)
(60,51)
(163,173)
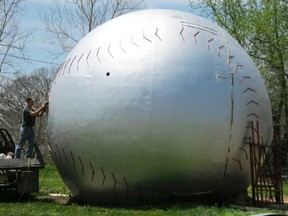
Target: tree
(270,43)
(13,96)
(12,41)
(68,23)
(231,15)
(261,27)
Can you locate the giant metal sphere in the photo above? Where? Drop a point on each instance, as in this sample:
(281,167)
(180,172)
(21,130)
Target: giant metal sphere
(154,104)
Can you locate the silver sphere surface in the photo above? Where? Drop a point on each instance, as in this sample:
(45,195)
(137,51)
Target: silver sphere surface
(155,104)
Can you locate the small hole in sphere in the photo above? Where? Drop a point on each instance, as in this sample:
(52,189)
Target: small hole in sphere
(108,74)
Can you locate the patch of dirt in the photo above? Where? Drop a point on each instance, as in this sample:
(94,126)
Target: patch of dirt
(59,199)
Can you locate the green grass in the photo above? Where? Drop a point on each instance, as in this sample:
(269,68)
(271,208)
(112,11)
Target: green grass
(285,189)
(50,182)
(45,208)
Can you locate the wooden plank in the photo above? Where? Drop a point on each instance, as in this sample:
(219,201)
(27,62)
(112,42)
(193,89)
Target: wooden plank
(20,163)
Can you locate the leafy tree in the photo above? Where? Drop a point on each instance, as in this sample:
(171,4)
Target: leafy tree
(270,43)
(68,22)
(261,27)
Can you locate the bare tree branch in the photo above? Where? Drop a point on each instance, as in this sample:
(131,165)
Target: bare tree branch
(11,39)
(68,23)
(13,94)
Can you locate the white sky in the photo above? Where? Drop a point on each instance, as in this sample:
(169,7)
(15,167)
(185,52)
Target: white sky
(37,48)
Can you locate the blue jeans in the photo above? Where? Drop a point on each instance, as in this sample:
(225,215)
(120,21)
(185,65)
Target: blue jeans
(26,133)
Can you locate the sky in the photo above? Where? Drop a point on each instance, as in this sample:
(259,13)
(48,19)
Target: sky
(182,5)
(37,48)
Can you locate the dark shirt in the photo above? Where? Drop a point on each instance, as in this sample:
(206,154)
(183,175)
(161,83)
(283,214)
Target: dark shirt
(27,119)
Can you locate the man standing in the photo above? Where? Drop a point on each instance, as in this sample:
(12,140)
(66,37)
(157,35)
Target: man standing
(26,130)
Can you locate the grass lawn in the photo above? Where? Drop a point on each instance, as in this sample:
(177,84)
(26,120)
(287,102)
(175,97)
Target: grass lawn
(50,182)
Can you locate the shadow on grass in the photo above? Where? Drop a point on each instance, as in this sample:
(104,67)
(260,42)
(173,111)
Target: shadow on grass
(12,197)
(59,199)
